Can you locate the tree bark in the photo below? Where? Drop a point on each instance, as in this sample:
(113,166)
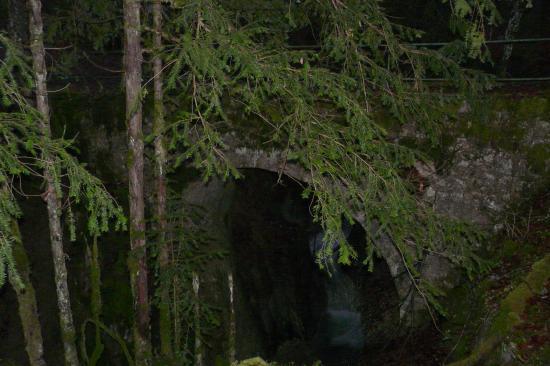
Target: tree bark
(138,256)
(26,298)
(232,321)
(165,322)
(51,196)
(197,320)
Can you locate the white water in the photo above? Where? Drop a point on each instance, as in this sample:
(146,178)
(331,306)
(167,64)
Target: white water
(341,327)
(345,329)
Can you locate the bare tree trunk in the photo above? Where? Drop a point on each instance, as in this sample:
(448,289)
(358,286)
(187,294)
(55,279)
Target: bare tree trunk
(52,196)
(95,285)
(232,322)
(197,320)
(160,168)
(138,255)
(26,298)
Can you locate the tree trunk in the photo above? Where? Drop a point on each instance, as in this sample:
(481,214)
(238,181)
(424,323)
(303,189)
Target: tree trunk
(52,196)
(160,168)
(95,285)
(26,298)
(137,260)
(197,320)
(232,321)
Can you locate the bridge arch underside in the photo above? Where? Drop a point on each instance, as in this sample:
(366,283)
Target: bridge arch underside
(246,159)
(282,297)
(288,309)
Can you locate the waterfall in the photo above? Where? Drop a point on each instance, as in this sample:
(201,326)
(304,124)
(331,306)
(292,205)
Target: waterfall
(341,326)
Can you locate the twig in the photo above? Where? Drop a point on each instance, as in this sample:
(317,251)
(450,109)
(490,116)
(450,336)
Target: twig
(99,66)
(61,89)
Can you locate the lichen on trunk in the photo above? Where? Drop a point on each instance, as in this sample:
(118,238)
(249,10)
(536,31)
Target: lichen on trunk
(138,256)
(165,321)
(26,298)
(52,196)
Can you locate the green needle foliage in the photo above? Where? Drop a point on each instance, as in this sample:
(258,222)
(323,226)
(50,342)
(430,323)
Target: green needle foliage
(18,135)
(191,251)
(317,102)
(94,23)
(21,147)
(469,18)
(310,76)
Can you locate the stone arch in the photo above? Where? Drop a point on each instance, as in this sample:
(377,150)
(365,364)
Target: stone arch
(276,162)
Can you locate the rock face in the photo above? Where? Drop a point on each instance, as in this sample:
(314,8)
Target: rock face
(479,183)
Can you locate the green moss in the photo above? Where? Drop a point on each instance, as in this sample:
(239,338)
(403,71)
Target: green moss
(256,361)
(502,121)
(511,248)
(511,309)
(531,107)
(538,157)
(440,153)
(498,121)
(514,304)
(19,254)
(465,306)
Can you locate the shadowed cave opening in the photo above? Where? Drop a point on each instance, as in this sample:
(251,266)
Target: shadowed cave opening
(288,309)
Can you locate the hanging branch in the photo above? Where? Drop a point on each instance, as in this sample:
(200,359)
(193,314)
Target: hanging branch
(320,105)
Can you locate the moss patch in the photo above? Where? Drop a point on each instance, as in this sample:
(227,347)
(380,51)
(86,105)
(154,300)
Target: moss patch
(466,308)
(511,311)
(502,121)
(538,157)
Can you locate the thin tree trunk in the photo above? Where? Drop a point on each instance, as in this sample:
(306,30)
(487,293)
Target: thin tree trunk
(95,285)
(176,316)
(26,298)
(197,320)
(52,196)
(232,322)
(160,168)
(138,256)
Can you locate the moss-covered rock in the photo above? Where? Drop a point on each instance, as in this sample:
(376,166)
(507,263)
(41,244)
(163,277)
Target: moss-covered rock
(256,361)
(510,312)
